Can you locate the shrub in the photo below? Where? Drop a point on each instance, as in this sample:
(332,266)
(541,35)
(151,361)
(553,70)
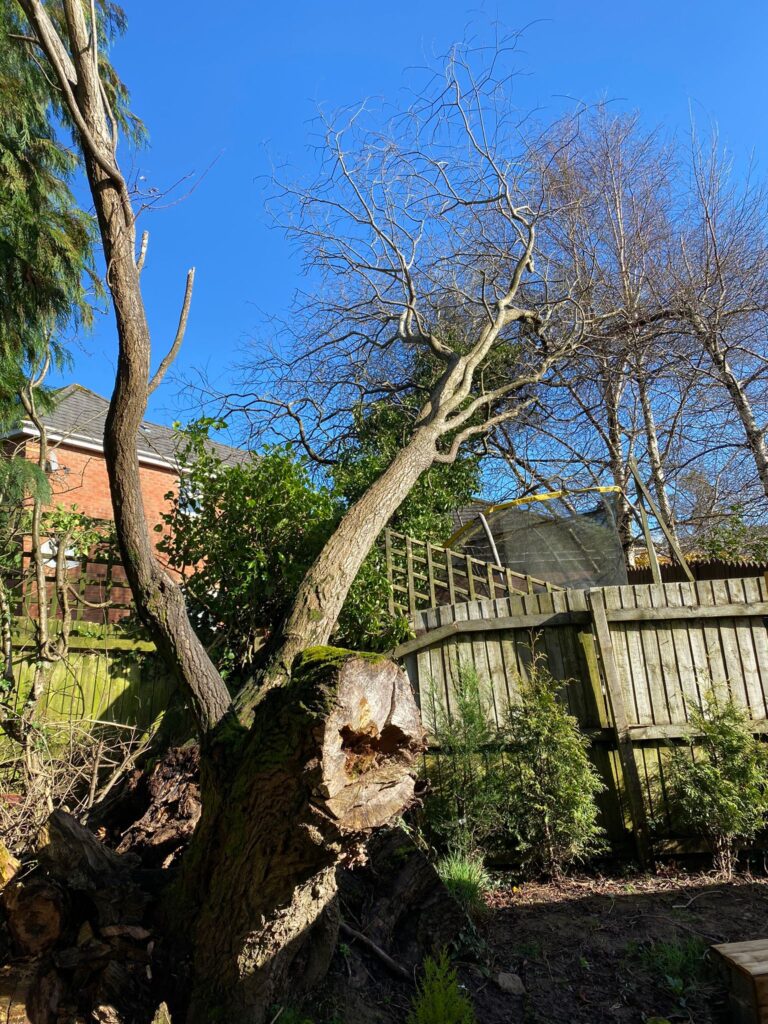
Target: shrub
(551,785)
(439,999)
(465,878)
(718,788)
(464,808)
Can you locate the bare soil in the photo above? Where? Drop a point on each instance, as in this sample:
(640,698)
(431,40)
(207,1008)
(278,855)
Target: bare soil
(628,949)
(606,950)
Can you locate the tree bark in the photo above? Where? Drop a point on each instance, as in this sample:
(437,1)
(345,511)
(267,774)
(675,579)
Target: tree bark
(753,434)
(159,601)
(328,759)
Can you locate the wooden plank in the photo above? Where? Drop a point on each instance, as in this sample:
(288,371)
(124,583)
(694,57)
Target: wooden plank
(687,694)
(718,610)
(506,665)
(621,723)
(665,598)
(698,644)
(630,658)
(409,576)
(681,731)
(461,648)
(717,674)
(526,621)
(648,672)
(451,583)
(431,577)
(750,674)
(729,645)
(390,569)
(759,635)
(434,678)
(596,711)
(470,577)
(481,660)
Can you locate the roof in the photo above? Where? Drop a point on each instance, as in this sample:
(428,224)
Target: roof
(78,418)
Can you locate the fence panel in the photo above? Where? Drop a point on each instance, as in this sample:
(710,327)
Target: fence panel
(632,682)
(422,576)
(108,675)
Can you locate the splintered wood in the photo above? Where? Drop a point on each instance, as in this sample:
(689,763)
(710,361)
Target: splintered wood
(747,966)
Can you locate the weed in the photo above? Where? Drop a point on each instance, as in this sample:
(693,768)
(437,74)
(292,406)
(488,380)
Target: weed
(466,879)
(680,966)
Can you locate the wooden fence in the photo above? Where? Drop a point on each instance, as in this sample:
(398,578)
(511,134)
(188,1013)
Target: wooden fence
(639,657)
(110,675)
(423,575)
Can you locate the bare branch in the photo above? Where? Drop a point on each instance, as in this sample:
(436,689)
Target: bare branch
(180,332)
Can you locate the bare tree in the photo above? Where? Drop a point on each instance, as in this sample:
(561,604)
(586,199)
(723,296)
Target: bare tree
(671,256)
(423,238)
(723,282)
(400,230)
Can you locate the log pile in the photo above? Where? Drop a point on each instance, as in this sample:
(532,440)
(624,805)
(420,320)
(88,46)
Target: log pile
(78,923)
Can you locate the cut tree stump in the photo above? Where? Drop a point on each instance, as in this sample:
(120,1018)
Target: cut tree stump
(330,757)
(747,966)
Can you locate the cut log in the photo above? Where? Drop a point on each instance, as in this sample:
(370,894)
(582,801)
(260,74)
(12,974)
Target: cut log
(76,859)
(35,911)
(330,757)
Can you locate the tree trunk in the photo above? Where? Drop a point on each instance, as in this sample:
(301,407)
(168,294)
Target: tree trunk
(654,458)
(329,758)
(612,394)
(754,435)
(324,588)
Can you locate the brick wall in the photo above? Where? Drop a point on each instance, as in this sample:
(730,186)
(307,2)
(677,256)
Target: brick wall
(81,479)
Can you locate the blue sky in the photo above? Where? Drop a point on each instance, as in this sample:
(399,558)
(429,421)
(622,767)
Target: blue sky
(228,95)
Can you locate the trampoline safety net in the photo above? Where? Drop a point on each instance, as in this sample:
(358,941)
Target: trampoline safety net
(550,539)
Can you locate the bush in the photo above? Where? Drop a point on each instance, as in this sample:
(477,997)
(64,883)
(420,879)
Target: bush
(439,999)
(528,786)
(466,879)
(551,785)
(718,787)
(465,806)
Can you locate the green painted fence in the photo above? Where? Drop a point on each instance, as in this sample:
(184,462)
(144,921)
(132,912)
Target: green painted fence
(110,674)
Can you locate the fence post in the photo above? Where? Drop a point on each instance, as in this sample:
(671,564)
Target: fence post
(411,582)
(390,569)
(621,725)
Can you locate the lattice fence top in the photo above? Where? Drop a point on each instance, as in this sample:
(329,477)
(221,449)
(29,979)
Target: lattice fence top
(423,575)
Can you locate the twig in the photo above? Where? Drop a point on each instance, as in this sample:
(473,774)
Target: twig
(706,892)
(385,958)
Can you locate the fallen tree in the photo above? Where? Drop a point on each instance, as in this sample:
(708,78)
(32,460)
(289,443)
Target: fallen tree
(318,750)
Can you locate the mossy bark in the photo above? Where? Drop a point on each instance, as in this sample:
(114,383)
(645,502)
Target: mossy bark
(329,758)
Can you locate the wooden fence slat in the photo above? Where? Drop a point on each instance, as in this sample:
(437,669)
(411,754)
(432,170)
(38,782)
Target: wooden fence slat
(621,723)
(752,589)
(743,630)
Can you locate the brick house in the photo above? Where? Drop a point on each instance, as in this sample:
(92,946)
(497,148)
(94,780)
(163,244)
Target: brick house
(77,472)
